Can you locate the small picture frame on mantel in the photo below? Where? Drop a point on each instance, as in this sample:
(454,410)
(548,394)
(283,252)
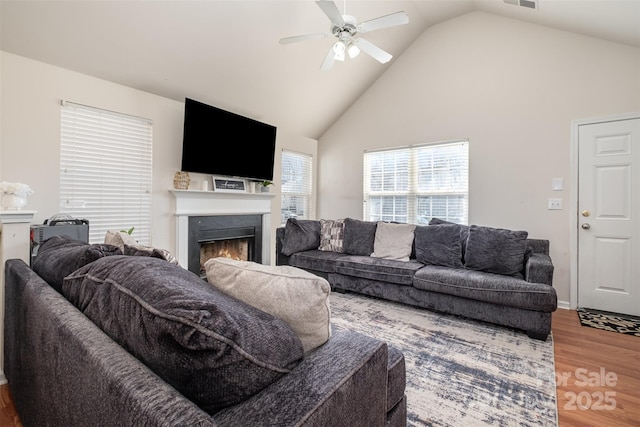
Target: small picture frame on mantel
(229,185)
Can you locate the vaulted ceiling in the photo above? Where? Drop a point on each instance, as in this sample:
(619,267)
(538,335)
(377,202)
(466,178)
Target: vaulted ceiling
(226,53)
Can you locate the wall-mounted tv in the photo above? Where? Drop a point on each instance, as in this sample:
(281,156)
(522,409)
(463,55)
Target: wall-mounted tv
(219,142)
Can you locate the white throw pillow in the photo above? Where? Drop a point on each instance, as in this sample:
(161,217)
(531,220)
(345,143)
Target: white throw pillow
(119,239)
(289,293)
(393,241)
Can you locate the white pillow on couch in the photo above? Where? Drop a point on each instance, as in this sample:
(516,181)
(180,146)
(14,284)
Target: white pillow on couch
(291,294)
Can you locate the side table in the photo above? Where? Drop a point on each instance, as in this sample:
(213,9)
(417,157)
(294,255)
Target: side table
(14,243)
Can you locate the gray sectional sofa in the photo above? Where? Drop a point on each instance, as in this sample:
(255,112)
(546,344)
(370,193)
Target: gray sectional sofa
(489,274)
(96,338)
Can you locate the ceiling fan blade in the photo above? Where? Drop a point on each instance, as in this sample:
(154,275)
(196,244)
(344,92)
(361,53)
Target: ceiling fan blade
(331,10)
(328,60)
(373,50)
(304,37)
(398,18)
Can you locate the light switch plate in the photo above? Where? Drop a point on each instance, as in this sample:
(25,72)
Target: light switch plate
(557,184)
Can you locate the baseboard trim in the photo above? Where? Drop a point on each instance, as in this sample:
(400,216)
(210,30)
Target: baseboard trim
(564,305)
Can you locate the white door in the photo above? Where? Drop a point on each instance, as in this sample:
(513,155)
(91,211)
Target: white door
(608,216)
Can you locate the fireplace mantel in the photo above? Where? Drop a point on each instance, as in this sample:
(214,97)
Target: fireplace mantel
(204,203)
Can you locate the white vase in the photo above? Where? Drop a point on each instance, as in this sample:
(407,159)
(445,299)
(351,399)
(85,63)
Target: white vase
(13,201)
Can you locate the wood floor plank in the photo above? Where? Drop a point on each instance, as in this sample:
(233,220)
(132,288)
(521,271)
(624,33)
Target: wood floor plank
(583,359)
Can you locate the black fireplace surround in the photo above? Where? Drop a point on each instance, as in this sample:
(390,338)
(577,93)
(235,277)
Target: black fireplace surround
(204,229)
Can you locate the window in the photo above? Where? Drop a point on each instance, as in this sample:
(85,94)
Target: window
(414,184)
(296,185)
(105,170)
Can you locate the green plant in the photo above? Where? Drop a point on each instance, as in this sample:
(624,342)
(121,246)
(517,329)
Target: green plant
(129,231)
(266,183)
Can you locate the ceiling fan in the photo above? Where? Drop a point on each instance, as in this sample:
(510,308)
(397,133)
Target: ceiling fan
(346,28)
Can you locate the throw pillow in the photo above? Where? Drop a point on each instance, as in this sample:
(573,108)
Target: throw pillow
(214,349)
(331,235)
(358,236)
(300,235)
(119,239)
(439,245)
(496,250)
(59,256)
(296,296)
(129,246)
(393,241)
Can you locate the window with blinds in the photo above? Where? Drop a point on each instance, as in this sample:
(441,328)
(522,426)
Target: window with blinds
(296,185)
(105,170)
(417,183)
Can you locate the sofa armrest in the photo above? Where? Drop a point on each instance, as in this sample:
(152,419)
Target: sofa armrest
(341,383)
(539,269)
(281,259)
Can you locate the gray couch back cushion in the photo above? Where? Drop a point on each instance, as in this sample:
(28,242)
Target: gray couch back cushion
(439,245)
(216,350)
(359,237)
(59,256)
(496,250)
(301,235)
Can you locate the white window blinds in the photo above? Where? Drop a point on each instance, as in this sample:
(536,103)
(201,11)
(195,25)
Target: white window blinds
(105,170)
(415,184)
(296,185)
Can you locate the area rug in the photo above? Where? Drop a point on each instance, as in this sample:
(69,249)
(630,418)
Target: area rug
(614,322)
(459,372)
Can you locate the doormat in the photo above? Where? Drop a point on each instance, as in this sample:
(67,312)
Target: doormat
(614,322)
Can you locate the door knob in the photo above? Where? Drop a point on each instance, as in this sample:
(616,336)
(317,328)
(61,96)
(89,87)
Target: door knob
(586,213)
(586,226)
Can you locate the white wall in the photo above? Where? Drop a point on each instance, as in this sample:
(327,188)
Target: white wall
(30,95)
(512,89)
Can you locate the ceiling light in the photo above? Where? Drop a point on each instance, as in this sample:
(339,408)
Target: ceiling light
(339,49)
(353,50)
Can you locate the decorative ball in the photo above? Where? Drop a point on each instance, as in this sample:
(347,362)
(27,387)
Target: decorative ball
(181,180)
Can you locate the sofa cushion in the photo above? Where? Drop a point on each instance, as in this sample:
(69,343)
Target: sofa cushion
(331,235)
(216,350)
(299,298)
(393,241)
(316,260)
(378,269)
(496,250)
(358,236)
(300,235)
(488,287)
(464,232)
(439,245)
(59,256)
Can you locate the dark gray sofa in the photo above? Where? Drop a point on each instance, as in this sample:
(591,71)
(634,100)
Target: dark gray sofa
(63,370)
(524,300)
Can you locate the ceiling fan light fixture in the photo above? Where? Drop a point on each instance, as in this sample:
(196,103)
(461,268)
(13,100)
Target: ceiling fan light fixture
(339,49)
(353,50)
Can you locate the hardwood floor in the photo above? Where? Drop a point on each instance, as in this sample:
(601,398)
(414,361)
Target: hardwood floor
(597,377)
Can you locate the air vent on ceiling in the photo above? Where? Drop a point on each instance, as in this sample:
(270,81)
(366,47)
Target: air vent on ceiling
(529,4)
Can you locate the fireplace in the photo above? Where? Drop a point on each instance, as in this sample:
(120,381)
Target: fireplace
(232,236)
(213,221)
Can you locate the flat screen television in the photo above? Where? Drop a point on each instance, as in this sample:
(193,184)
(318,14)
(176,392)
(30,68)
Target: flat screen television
(219,142)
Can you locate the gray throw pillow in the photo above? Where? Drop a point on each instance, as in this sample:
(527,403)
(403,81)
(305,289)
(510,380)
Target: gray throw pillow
(214,349)
(300,235)
(496,250)
(359,237)
(59,256)
(439,245)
